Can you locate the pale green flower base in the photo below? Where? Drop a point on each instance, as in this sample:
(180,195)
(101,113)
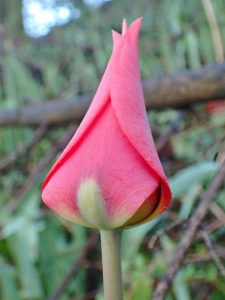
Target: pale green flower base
(111,262)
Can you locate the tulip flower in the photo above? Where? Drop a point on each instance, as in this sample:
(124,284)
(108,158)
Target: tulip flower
(109,176)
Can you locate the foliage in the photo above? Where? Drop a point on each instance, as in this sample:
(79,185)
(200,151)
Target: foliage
(37,249)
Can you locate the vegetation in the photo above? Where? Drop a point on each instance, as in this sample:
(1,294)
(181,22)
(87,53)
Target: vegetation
(37,248)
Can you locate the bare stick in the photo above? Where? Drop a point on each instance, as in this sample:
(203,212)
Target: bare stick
(163,230)
(212,252)
(189,234)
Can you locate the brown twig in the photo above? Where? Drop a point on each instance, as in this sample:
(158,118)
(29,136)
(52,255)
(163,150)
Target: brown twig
(163,230)
(214,226)
(193,258)
(218,212)
(6,161)
(189,234)
(212,252)
(75,267)
(39,169)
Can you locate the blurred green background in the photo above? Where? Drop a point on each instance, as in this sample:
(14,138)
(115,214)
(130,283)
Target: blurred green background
(59,49)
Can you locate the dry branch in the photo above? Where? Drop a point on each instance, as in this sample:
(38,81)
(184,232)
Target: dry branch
(212,251)
(177,90)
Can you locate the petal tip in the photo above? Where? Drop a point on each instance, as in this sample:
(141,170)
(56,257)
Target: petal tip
(116,36)
(135,29)
(124,26)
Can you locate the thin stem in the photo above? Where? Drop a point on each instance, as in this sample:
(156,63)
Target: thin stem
(111,262)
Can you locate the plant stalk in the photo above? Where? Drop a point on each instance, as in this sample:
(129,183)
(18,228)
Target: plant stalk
(111,264)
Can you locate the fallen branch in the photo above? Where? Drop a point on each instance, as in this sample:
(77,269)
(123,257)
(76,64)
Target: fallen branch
(189,235)
(212,251)
(176,91)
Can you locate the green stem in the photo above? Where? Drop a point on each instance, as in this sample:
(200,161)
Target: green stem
(111,262)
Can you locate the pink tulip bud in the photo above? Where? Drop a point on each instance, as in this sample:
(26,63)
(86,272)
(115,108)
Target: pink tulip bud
(109,176)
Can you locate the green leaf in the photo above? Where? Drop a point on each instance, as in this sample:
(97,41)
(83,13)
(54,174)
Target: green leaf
(188,201)
(187,178)
(8,284)
(180,287)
